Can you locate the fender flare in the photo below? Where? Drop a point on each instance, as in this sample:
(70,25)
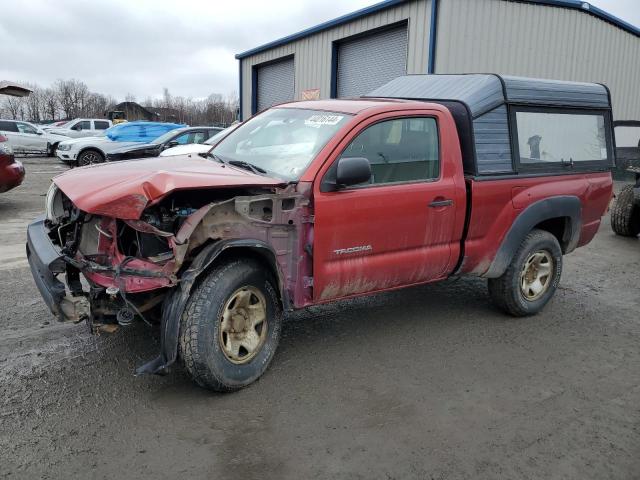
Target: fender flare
(176,301)
(91,147)
(567,206)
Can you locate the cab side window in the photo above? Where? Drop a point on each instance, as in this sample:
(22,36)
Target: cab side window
(26,128)
(399,150)
(82,125)
(8,126)
(100,125)
(184,138)
(199,137)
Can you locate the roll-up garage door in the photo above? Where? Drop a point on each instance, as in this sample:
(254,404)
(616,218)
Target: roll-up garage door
(275,83)
(368,62)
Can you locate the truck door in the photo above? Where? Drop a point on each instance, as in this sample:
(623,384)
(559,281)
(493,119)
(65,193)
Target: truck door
(404,226)
(82,128)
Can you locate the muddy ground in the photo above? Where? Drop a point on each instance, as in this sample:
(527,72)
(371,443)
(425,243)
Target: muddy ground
(429,383)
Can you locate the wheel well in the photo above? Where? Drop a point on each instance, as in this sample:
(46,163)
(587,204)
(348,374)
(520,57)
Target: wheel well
(90,149)
(559,227)
(263,256)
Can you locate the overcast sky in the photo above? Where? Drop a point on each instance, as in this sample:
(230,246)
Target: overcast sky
(140,46)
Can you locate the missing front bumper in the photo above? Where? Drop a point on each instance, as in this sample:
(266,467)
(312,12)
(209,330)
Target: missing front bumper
(46,262)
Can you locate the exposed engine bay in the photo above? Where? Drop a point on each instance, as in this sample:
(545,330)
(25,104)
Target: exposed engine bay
(131,266)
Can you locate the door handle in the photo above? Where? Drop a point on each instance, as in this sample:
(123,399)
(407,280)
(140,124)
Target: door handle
(441,202)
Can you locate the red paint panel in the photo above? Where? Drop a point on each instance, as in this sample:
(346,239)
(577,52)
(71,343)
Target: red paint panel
(497,203)
(401,240)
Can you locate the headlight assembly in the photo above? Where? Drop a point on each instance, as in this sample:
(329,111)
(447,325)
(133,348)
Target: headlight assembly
(62,147)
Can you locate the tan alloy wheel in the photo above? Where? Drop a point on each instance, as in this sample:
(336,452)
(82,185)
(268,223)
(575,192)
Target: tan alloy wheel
(243,325)
(536,275)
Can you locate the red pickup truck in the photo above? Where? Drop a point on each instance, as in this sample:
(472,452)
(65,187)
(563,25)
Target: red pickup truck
(429,177)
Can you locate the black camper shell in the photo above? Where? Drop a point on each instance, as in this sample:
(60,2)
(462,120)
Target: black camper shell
(489,109)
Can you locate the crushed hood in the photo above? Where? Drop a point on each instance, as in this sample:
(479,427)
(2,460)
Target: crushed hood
(124,189)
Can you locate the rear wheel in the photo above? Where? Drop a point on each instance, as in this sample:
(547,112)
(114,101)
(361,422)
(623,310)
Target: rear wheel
(532,276)
(625,214)
(90,157)
(231,326)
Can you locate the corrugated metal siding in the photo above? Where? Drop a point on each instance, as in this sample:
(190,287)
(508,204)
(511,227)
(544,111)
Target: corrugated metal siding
(541,41)
(371,61)
(313,53)
(275,83)
(493,148)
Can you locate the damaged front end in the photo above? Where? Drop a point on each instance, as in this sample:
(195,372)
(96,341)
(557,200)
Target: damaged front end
(145,268)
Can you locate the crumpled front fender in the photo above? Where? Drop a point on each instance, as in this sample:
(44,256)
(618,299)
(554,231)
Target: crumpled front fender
(175,302)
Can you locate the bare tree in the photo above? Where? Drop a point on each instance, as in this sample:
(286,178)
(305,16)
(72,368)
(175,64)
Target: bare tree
(166,96)
(72,98)
(79,94)
(49,104)
(15,107)
(34,104)
(64,96)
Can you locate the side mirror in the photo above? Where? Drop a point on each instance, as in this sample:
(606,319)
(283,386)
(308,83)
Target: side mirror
(346,172)
(352,171)
(39,132)
(172,143)
(77,127)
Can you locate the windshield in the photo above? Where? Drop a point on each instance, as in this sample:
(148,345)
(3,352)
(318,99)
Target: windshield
(282,141)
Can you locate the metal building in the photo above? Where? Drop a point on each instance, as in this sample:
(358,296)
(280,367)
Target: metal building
(356,53)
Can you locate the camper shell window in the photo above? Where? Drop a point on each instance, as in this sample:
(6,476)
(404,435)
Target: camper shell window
(559,139)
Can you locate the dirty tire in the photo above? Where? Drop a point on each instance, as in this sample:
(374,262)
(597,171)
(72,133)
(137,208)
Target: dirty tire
(89,157)
(200,349)
(506,292)
(625,214)
(51,150)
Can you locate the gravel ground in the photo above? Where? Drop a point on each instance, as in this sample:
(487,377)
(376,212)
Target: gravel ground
(431,382)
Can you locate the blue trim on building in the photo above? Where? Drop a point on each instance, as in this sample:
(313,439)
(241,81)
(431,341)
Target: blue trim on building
(323,26)
(333,93)
(254,90)
(240,89)
(433,36)
(571,4)
(591,9)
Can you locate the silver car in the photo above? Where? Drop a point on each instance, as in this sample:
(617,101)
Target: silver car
(25,137)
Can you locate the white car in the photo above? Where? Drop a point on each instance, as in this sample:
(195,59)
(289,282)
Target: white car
(81,127)
(198,147)
(25,137)
(86,151)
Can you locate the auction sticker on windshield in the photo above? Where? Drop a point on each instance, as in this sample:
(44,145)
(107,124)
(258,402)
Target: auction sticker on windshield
(318,120)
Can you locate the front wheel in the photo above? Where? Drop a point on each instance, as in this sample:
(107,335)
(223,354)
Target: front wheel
(532,276)
(89,157)
(231,326)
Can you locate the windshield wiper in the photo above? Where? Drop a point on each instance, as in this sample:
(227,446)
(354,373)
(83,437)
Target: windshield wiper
(238,163)
(247,166)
